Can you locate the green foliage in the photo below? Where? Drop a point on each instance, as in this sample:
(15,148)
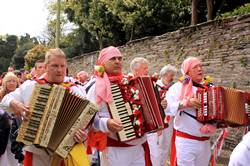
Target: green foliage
(77,42)
(146,17)
(50,32)
(118,21)
(25,43)
(243,61)
(34,54)
(8,45)
(245,9)
(98,23)
(21,51)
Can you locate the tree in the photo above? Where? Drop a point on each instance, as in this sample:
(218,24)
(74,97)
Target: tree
(93,16)
(210,9)
(118,21)
(21,51)
(210,6)
(34,54)
(148,18)
(25,43)
(8,45)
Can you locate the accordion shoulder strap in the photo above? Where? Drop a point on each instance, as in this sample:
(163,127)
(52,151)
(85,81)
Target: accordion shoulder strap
(190,115)
(89,86)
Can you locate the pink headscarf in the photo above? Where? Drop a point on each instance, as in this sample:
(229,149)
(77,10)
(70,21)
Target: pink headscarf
(103,89)
(186,90)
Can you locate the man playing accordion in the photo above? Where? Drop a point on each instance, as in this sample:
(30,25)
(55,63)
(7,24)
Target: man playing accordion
(114,152)
(18,101)
(192,137)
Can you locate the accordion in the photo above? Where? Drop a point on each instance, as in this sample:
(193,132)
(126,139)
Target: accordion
(55,115)
(152,114)
(223,105)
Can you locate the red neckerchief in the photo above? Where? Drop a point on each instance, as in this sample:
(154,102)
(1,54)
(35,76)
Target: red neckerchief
(163,89)
(115,78)
(44,80)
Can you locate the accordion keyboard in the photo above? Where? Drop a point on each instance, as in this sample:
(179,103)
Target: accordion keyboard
(121,111)
(31,127)
(205,104)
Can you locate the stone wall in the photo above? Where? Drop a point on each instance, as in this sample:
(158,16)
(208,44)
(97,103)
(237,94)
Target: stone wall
(223,46)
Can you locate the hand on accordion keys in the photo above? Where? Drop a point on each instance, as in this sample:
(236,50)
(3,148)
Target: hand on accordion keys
(80,136)
(208,129)
(190,102)
(20,109)
(114,125)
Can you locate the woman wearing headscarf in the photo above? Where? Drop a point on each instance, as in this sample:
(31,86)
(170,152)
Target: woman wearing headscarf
(192,137)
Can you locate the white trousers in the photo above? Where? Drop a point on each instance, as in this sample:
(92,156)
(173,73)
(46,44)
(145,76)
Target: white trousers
(192,152)
(160,145)
(123,156)
(41,160)
(39,156)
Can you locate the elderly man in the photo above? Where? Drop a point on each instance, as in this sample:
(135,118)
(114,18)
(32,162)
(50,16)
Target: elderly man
(159,142)
(130,153)
(167,75)
(82,77)
(192,137)
(55,66)
(139,66)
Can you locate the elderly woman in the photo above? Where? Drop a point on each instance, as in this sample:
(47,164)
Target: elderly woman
(10,83)
(192,137)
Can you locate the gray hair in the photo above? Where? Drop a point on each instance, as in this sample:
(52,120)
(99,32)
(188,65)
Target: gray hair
(166,69)
(135,63)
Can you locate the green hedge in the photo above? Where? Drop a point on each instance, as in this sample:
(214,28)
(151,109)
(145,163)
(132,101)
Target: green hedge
(245,9)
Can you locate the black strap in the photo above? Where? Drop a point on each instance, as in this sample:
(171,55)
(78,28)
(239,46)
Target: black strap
(198,85)
(89,86)
(192,116)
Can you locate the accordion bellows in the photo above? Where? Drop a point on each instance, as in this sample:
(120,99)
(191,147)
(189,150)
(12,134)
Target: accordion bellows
(223,105)
(55,115)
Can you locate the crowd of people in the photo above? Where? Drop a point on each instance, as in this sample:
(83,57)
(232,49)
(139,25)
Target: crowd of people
(184,142)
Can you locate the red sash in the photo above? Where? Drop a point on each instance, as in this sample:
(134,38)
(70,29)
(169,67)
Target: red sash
(27,159)
(188,136)
(173,159)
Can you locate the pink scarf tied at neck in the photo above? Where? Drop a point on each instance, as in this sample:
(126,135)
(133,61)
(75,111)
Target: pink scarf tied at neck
(103,89)
(186,90)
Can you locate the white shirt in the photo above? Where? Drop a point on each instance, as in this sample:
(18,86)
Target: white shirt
(182,121)
(241,154)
